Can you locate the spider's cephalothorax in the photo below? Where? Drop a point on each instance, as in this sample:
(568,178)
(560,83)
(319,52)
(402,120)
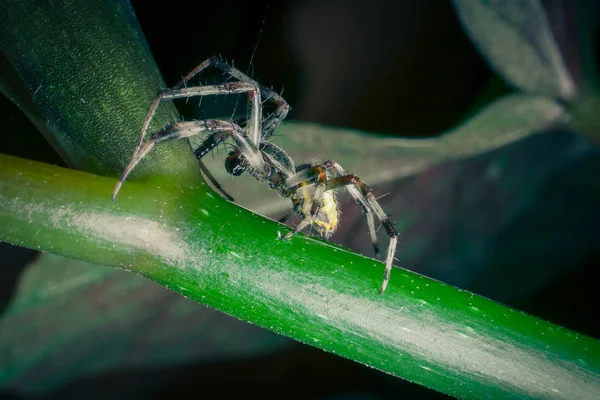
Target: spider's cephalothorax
(311,187)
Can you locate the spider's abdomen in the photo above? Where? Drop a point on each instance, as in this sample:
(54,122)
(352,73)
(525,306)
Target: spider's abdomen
(325,222)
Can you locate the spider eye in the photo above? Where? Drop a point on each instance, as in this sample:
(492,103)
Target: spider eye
(234,165)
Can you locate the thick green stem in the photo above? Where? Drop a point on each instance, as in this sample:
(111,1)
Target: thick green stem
(205,248)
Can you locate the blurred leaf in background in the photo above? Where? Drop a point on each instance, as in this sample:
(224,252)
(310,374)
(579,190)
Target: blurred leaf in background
(503,204)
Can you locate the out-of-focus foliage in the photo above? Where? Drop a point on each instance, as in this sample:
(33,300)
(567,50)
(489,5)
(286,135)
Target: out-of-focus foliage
(502,202)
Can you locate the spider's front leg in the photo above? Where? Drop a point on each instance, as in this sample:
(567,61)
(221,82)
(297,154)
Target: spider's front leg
(257,135)
(217,130)
(251,152)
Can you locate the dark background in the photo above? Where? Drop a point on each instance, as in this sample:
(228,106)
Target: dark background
(397,67)
(401,68)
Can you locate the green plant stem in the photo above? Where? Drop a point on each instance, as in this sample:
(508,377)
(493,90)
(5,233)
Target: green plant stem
(228,258)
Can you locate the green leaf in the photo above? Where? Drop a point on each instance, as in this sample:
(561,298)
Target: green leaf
(70,319)
(381,159)
(518,42)
(504,224)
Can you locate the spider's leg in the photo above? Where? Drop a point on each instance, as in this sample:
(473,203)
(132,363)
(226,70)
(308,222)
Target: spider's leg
(218,130)
(212,179)
(369,199)
(356,195)
(301,225)
(320,173)
(295,181)
(154,106)
(255,122)
(304,174)
(286,217)
(274,120)
(281,106)
(138,155)
(255,106)
(369,214)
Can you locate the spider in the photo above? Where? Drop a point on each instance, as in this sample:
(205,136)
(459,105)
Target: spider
(310,186)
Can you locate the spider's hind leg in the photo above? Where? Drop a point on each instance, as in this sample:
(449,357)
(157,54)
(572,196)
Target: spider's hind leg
(364,196)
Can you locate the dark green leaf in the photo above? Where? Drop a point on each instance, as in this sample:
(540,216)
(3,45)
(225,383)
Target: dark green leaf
(381,159)
(92,79)
(70,319)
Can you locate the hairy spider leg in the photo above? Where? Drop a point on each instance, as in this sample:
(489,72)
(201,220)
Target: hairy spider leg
(255,121)
(253,156)
(218,130)
(321,173)
(302,167)
(275,119)
(365,191)
(281,106)
(356,195)
(281,110)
